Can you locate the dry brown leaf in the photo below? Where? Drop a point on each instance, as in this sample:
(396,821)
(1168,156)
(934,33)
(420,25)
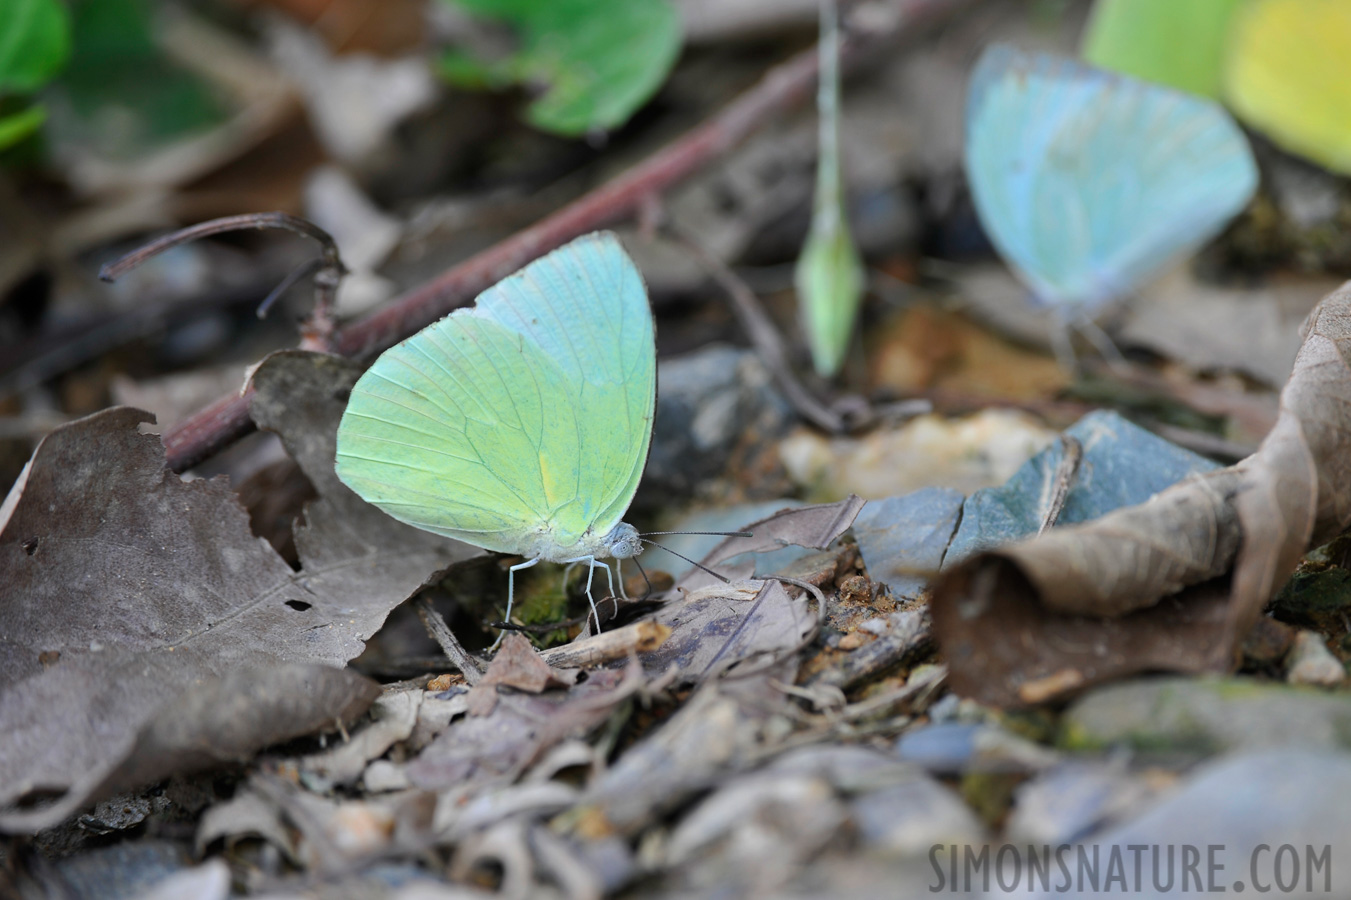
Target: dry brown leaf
(517,665)
(716,629)
(1081,604)
(127,587)
(716,731)
(520,666)
(218,720)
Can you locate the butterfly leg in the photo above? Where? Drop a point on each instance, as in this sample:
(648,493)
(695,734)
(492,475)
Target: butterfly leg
(567,573)
(511,595)
(1102,343)
(1062,345)
(592,564)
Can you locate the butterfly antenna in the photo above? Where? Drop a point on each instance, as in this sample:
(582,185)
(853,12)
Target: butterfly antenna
(714,533)
(648,581)
(700,566)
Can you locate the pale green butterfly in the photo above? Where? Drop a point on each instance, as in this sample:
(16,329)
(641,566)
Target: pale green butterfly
(520,425)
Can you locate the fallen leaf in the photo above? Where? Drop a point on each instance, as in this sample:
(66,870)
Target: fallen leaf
(519,665)
(218,720)
(1255,331)
(903,539)
(718,627)
(393,717)
(146,585)
(716,624)
(246,814)
(804,526)
(1095,601)
(716,731)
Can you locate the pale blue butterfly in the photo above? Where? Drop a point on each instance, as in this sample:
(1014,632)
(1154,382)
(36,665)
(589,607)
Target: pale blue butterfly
(1090,182)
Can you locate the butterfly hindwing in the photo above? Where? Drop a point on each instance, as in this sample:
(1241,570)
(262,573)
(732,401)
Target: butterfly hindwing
(442,433)
(1089,182)
(532,410)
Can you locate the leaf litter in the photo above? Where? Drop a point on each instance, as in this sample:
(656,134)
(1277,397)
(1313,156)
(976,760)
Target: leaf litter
(704,681)
(221,645)
(699,767)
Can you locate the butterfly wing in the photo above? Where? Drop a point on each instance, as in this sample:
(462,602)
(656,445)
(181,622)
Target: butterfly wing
(1089,182)
(1286,75)
(529,413)
(1177,44)
(597,326)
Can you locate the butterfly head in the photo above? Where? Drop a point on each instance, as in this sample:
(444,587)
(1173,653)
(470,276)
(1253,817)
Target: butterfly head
(622,542)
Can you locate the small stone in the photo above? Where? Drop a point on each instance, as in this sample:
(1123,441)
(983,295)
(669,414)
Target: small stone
(853,640)
(1206,715)
(1268,642)
(1311,662)
(856,590)
(441,682)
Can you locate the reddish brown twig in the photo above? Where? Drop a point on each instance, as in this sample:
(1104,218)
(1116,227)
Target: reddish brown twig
(328,270)
(781,89)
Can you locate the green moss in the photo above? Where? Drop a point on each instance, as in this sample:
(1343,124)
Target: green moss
(541,599)
(1316,598)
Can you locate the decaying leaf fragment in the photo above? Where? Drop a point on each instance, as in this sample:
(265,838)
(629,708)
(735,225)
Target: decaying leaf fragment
(715,625)
(1173,583)
(517,665)
(804,526)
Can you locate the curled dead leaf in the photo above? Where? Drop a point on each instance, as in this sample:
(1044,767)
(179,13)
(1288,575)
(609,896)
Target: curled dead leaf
(1144,587)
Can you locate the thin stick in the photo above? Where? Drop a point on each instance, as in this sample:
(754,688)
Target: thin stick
(1066,472)
(764,337)
(111,271)
(782,88)
(640,637)
(450,645)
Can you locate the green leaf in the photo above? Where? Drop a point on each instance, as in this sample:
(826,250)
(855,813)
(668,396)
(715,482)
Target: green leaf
(14,127)
(597,60)
(34,43)
(121,93)
(829,274)
(1180,43)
